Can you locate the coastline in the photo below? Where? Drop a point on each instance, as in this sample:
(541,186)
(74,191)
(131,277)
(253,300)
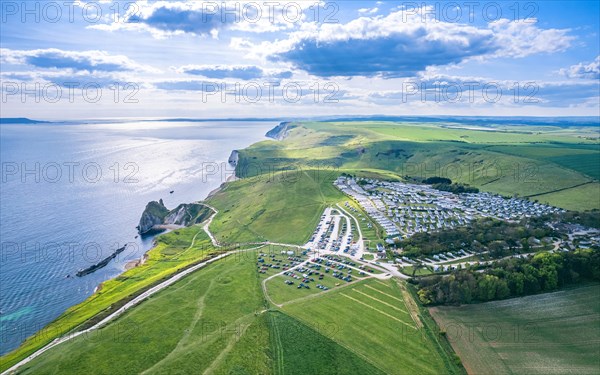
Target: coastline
(279,132)
(129,266)
(133,264)
(30,342)
(233,160)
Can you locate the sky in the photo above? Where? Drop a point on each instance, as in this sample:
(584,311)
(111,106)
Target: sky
(232,59)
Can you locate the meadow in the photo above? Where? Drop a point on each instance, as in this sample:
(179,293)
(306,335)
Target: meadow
(278,208)
(304,349)
(553,333)
(190,327)
(366,318)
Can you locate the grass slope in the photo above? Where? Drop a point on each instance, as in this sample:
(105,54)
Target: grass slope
(278,208)
(527,161)
(189,327)
(192,327)
(554,333)
(174,251)
(301,350)
(372,319)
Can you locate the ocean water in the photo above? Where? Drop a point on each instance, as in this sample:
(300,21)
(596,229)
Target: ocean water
(73,193)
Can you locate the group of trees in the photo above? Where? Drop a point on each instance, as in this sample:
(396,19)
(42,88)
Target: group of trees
(511,277)
(589,219)
(445,184)
(437,180)
(455,188)
(498,237)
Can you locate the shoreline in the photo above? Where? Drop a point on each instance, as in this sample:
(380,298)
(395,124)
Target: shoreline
(134,263)
(140,261)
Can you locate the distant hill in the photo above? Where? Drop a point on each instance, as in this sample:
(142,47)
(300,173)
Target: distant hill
(481,120)
(20,120)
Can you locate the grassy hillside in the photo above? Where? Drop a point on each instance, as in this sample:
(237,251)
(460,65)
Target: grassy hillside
(373,319)
(192,327)
(174,251)
(524,161)
(554,333)
(301,349)
(187,328)
(274,207)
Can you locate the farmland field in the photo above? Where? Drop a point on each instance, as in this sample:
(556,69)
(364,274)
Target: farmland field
(554,333)
(577,198)
(302,349)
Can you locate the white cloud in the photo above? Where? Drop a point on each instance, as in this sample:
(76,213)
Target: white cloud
(583,70)
(76,61)
(207,18)
(403,44)
(520,39)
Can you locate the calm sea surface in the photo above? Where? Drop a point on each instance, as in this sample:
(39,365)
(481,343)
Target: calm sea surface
(73,193)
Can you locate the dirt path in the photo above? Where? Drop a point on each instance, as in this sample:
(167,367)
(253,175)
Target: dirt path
(207,225)
(183,341)
(410,304)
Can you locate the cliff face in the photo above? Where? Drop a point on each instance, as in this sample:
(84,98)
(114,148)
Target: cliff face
(154,214)
(185,214)
(234,158)
(280,131)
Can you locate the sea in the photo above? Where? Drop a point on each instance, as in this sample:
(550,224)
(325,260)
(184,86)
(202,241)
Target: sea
(73,192)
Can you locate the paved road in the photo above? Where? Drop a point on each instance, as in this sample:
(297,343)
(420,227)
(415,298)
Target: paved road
(361,246)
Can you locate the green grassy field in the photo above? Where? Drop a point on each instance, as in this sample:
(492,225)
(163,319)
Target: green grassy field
(189,327)
(192,327)
(408,270)
(277,208)
(303,349)
(367,318)
(580,157)
(554,333)
(579,198)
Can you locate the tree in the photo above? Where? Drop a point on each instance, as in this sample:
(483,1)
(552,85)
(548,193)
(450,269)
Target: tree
(425,296)
(502,290)
(516,283)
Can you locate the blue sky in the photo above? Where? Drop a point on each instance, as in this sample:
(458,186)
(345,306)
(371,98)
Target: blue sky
(89,59)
